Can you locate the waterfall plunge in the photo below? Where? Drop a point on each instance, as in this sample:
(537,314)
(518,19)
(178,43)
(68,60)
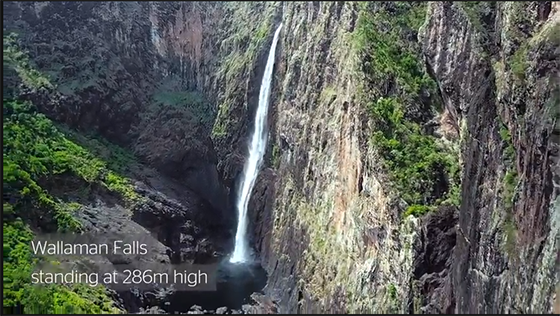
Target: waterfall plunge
(257,147)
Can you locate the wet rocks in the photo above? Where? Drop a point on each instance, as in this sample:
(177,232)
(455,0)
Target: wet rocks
(151,310)
(195,309)
(221,310)
(261,304)
(177,229)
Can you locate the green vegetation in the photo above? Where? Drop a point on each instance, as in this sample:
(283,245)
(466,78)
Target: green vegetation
(275,155)
(480,15)
(415,160)
(18,59)
(519,37)
(509,226)
(116,158)
(518,62)
(509,150)
(174,122)
(553,34)
(18,265)
(417,297)
(519,20)
(198,108)
(36,154)
(510,178)
(342,250)
(393,307)
(474,12)
(510,181)
(392,290)
(417,210)
(34,149)
(328,95)
(246,40)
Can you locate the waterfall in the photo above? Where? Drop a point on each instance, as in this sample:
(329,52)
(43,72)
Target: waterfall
(257,147)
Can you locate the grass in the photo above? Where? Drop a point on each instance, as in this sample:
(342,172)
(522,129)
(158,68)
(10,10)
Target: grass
(329,259)
(337,258)
(479,14)
(473,11)
(417,210)
(34,149)
(328,95)
(340,257)
(519,37)
(116,158)
(18,264)
(393,299)
(392,291)
(275,159)
(553,34)
(197,106)
(509,150)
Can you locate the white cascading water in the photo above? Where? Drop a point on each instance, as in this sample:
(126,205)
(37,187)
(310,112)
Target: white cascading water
(257,147)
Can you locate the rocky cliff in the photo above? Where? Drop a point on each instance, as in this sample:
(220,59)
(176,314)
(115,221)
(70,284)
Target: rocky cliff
(413,162)
(504,87)
(390,110)
(132,73)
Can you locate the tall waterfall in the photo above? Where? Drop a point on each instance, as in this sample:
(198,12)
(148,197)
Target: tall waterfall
(257,147)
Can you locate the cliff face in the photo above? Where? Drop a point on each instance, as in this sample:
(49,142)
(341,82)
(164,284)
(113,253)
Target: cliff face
(332,227)
(338,235)
(413,154)
(498,73)
(132,73)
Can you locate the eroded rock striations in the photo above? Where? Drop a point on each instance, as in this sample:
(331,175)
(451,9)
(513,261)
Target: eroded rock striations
(506,259)
(337,238)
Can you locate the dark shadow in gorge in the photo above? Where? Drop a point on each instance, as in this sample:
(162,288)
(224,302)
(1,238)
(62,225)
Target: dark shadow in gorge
(236,283)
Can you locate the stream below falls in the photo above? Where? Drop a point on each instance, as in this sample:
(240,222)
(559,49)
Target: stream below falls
(236,283)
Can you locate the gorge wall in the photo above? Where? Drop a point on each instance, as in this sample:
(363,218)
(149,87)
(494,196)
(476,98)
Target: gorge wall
(475,91)
(413,163)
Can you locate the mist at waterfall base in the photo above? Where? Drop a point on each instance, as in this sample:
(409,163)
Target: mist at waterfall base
(257,146)
(240,275)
